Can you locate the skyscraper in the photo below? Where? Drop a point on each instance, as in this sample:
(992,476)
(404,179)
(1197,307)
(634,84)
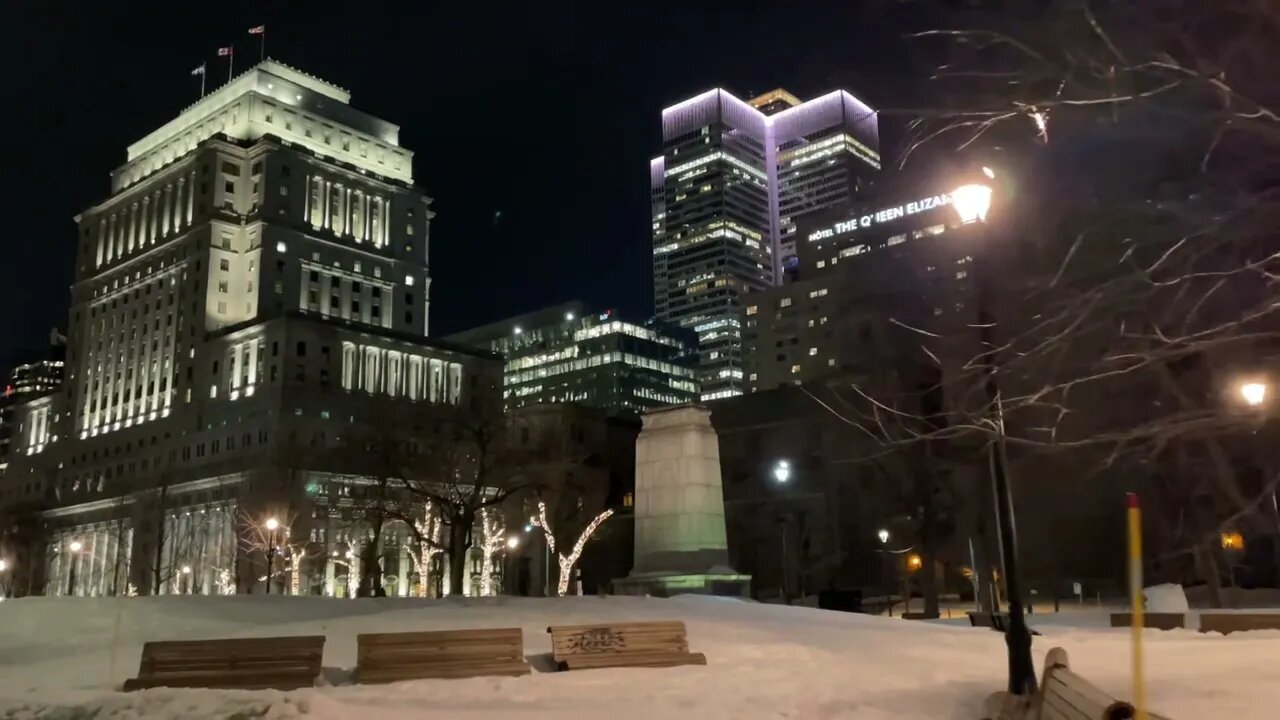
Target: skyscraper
(733,179)
(253,290)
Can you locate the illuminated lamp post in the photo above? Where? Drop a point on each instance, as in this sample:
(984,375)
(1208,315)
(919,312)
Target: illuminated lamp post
(272,525)
(75,548)
(971,203)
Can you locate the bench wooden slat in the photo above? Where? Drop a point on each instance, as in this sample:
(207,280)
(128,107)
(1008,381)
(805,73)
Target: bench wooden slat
(251,663)
(389,657)
(631,644)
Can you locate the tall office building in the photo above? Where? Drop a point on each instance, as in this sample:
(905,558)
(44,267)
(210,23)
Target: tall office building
(733,179)
(253,289)
(565,354)
(35,377)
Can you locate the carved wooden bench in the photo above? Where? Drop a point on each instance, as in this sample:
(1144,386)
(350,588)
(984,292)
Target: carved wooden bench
(637,644)
(389,657)
(1227,623)
(1063,695)
(280,663)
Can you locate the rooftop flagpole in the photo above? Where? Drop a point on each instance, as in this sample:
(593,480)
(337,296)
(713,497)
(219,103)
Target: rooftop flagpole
(261,32)
(201,72)
(229,53)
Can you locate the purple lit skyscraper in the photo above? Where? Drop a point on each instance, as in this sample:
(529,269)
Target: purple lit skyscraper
(732,180)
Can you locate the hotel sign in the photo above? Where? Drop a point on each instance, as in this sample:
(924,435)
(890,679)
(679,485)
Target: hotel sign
(884,215)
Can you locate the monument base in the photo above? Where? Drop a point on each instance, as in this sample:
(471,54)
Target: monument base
(718,581)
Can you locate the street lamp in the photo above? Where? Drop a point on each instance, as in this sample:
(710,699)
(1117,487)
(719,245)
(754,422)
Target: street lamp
(1253,393)
(972,202)
(76,546)
(186,579)
(782,471)
(884,536)
(272,524)
(513,542)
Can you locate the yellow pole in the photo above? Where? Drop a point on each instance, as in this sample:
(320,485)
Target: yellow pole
(1135,599)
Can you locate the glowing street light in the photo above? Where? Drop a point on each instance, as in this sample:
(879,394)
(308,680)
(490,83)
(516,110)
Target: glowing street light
(513,542)
(883,535)
(272,524)
(76,546)
(972,202)
(914,562)
(782,471)
(568,316)
(1253,393)
(4,565)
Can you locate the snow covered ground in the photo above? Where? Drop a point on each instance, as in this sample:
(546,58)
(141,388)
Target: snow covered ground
(60,659)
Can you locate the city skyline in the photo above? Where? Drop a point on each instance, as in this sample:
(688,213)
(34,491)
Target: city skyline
(523,234)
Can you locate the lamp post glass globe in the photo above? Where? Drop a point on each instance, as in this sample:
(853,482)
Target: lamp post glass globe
(513,542)
(883,535)
(782,471)
(76,546)
(186,569)
(528,527)
(272,524)
(971,202)
(1253,393)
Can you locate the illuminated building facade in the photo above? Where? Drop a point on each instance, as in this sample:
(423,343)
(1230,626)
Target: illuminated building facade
(734,179)
(863,270)
(566,354)
(254,286)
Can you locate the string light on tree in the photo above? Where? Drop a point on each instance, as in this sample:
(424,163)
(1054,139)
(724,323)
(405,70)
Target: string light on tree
(567,561)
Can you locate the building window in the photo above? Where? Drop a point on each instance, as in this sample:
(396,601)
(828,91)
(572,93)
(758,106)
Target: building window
(224,264)
(222,308)
(753,309)
(784,302)
(222,286)
(302,349)
(795,369)
(813,351)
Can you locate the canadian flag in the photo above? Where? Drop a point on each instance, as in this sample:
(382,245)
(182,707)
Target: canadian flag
(258,30)
(224,52)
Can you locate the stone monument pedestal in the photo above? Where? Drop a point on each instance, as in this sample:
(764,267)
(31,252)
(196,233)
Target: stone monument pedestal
(680,543)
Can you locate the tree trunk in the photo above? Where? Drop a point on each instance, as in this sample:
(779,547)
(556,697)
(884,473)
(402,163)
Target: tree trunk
(159,558)
(928,547)
(371,565)
(1207,569)
(459,543)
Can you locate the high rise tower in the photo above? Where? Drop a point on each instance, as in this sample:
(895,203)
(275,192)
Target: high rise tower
(253,291)
(732,181)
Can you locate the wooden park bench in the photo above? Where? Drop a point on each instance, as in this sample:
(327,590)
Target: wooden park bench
(1063,695)
(389,657)
(1159,621)
(1227,623)
(638,644)
(280,663)
(997,621)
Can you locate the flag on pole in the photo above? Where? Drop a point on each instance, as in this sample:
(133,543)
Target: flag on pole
(199,70)
(225,52)
(261,29)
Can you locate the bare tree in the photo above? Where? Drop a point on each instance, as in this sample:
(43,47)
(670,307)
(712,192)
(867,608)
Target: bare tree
(1140,140)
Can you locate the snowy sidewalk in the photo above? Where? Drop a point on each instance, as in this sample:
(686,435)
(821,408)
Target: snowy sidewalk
(763,661)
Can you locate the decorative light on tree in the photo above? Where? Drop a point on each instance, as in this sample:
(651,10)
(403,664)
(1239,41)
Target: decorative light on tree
(567,561)
(493,532)
(428,530)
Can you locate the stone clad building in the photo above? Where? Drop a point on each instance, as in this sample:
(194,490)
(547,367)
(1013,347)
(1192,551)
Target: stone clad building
(253,290)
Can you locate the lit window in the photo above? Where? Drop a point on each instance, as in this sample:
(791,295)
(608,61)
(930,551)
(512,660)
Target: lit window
(752,309)
(813,351)
(784,302)
(408,280)
(961,274)
(213,391)
(831,362)
(280,247)
(822,263)
(817,293)
(752,377)
(795,369)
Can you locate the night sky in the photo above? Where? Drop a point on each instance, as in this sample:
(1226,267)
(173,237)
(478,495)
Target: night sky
(531,123)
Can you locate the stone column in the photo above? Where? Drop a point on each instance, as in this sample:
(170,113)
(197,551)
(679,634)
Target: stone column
(680,540)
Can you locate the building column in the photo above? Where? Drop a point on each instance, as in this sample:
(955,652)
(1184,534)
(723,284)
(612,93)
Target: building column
(402,580)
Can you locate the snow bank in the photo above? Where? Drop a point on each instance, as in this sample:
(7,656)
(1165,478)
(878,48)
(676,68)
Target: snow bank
(61,658)
(1167,598)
